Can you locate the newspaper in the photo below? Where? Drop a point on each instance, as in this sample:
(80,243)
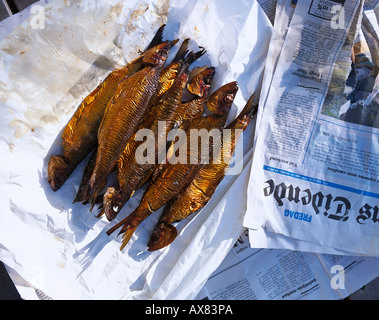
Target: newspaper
(314,172)
(283,15)
(269,8)
(268,274)
(308,270)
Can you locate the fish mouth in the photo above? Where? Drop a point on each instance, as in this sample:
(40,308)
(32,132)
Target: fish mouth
(206,80)
(203,84)
(208,75)
(111,204)
(230,92)
(221,100)
(230,88)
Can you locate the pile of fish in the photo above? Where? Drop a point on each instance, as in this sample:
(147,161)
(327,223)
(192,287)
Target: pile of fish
(141,95)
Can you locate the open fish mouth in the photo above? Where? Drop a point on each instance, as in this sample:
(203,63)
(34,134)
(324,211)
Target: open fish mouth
(208,77)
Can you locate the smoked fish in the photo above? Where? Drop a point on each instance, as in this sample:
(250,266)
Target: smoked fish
(123,114)
(176,176)
(80,134)
(133,173)
(203,186)
(166,80)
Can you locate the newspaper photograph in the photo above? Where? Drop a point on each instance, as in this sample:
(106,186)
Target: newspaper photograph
(314,168)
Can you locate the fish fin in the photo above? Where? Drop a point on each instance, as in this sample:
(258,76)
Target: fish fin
(129,231)
(188,60)
(82,195)
(162,236)
(93,198)
(193,56)
(101,213)
(183,50)
(158,38)
(129,226)
(116,226)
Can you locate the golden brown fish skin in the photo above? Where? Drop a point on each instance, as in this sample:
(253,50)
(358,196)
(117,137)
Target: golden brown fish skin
(166,80)
(174,177)
(130,171)
(170,72)
(80,134)
(124,113)
(193,108)
(203,186)
(132,174)
(200,86)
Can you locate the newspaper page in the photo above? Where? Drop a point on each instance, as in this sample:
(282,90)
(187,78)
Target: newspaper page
(313,173)
(269,8)
(256,274)
(365,53)
(283,16)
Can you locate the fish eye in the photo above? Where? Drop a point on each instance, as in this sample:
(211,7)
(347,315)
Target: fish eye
(115,208)
(163,53)
(228,98)
(207,81)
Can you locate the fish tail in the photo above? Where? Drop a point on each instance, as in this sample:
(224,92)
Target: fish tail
(82,195)
(58,171)
(158,38)
(189,59)
(182,52)
(129,231)
(193,56)
(101,213)
(91,191)
(250,108)
(129,226)
(162,236)
(93,197)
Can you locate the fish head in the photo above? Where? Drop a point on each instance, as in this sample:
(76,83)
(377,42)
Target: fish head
(248,112)
(201,81)
(221,100)
(246,115)
(57,172)
(162,236)
(158,55)
(112,203)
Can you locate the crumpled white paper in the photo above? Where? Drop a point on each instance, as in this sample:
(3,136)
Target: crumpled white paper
(61,248)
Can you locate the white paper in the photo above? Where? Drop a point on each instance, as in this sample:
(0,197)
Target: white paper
(60,248)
